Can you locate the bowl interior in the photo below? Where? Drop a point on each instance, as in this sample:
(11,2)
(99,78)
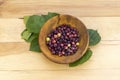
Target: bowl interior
(54,22)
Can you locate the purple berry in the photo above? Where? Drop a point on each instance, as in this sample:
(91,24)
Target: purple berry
(63,40)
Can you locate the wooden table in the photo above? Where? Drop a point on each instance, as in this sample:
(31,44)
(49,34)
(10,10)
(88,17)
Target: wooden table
(18,63)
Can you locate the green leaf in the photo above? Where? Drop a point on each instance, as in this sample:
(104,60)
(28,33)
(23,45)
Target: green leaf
(33,25)
(25,34)
(34,46)
(94,37)
(33,36)
(51,14)
(26,19)
(83,59)
(35,22)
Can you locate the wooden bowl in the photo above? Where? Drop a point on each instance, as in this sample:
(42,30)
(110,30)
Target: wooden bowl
(54,22)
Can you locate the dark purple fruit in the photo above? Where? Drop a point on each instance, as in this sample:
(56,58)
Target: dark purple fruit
(63,41)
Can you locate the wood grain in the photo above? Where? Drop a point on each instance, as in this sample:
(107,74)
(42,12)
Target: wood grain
(61,75)
(10,29)
(105,56)
(8,48)
(19,8)
(18,63)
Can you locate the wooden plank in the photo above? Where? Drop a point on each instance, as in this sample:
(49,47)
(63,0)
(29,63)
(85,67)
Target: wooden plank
(18,63)
(105,56)
(10,30)
(8,48)
(108,27)
(19,8)
(62,75)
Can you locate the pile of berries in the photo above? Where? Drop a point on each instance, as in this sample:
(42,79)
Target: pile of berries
(63,41)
